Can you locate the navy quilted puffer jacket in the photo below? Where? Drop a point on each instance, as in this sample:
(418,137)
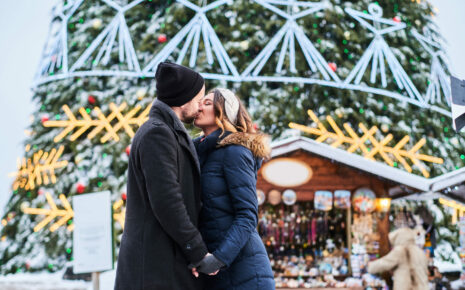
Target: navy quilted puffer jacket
(229,214)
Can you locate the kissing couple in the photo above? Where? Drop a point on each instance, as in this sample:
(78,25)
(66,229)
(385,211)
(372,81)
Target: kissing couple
(191,207)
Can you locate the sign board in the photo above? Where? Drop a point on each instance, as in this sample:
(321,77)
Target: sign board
(92,237)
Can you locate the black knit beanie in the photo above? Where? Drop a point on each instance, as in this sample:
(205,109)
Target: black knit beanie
(177,84)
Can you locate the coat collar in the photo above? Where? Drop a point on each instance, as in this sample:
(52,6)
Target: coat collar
(160,109)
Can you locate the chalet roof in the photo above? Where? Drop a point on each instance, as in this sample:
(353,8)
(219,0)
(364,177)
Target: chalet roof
(399,176)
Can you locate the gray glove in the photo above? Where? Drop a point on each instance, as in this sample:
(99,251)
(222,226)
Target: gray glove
(209,264)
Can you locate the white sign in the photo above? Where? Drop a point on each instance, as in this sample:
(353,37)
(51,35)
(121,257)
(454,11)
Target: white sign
(92,238)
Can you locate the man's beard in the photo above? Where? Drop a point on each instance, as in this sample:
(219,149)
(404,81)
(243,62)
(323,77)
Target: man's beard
(188,118)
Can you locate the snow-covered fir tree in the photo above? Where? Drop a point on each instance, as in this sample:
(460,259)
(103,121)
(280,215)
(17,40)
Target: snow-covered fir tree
(86,74)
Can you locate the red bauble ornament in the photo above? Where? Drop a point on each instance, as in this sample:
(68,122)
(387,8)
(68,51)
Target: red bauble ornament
(80,188)
(28,265)
(40,192)
(396,19)
(123,196)
(91,100)
(128,150)
(162,38)
(255,126)
(44,119)
(332,66)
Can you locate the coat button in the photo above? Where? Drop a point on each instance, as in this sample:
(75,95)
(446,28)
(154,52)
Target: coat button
(188,246)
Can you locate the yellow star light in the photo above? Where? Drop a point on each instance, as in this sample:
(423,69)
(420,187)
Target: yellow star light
(110,124)
(378,147)
(65,214)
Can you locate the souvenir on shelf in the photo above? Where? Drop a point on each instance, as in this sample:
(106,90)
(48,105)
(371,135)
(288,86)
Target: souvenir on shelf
(323,200)
(364,200)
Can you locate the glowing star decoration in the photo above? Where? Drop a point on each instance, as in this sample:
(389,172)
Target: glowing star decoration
(378,52)
(377,147)
(288,34)
(55,54)
(111,124)
(35,171)
(120,212)
(65,214)
(438,77)
(455,206)
(117,28)
(198,27)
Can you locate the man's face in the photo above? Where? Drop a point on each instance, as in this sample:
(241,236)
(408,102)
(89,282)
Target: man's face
(190,110)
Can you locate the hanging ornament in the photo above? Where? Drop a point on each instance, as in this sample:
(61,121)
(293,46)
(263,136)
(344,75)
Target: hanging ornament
(91,99)
(323,200)
(97,23)
(128,150)
(289,197)
(274,197)
(384,128)
(28,265)
(40,191)
(332,66)
(347,34)
(44,119)
(244,44)
(260,196)
(162,38)
(396,19)
(80,188)
(339,112)
(255,127)
(123,196)
(24,205)
(141,93)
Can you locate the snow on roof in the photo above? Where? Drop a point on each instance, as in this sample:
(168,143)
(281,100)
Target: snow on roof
(291,144)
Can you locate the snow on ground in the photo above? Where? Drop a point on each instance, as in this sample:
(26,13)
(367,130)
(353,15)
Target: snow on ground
(52,281)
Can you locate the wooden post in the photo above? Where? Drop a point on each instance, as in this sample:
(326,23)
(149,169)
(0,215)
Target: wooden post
(349,238)
(96,280)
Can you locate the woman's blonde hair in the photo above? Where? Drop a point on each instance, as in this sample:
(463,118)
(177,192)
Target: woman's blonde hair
(243,123)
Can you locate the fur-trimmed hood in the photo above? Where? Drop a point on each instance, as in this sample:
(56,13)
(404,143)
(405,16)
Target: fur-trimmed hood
(258,143)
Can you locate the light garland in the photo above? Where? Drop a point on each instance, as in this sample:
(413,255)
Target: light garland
(102,123)
(36,170)
(120,212)
(455,206)
(377,147)
(200,27)
(65,214)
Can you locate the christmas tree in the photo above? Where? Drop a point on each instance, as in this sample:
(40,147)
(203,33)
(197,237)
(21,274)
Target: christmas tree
(378,63)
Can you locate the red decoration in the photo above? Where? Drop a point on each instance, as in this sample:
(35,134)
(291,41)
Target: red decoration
(44,119)
(255,126)
(91,99)
(396,19)
(28,265)
(40,192)
(123,196)
(332,66)
(128,150)
(80,188)
(162,38)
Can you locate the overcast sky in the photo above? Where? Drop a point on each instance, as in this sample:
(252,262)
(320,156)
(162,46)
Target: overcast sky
(23,29)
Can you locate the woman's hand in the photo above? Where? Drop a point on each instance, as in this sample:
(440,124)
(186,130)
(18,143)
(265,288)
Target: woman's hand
(196,274)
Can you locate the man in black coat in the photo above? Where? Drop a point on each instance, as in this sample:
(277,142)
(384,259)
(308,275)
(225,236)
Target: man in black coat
(160,237)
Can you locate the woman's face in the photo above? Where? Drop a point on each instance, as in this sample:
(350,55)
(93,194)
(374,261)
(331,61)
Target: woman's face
(206,116)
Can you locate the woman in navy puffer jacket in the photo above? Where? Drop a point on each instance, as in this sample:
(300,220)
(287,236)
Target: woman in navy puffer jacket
(230,154)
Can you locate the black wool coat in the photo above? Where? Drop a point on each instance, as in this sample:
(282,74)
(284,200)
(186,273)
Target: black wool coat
(163,203)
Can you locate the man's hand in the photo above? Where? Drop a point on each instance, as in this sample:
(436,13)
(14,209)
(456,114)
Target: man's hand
(209,265)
